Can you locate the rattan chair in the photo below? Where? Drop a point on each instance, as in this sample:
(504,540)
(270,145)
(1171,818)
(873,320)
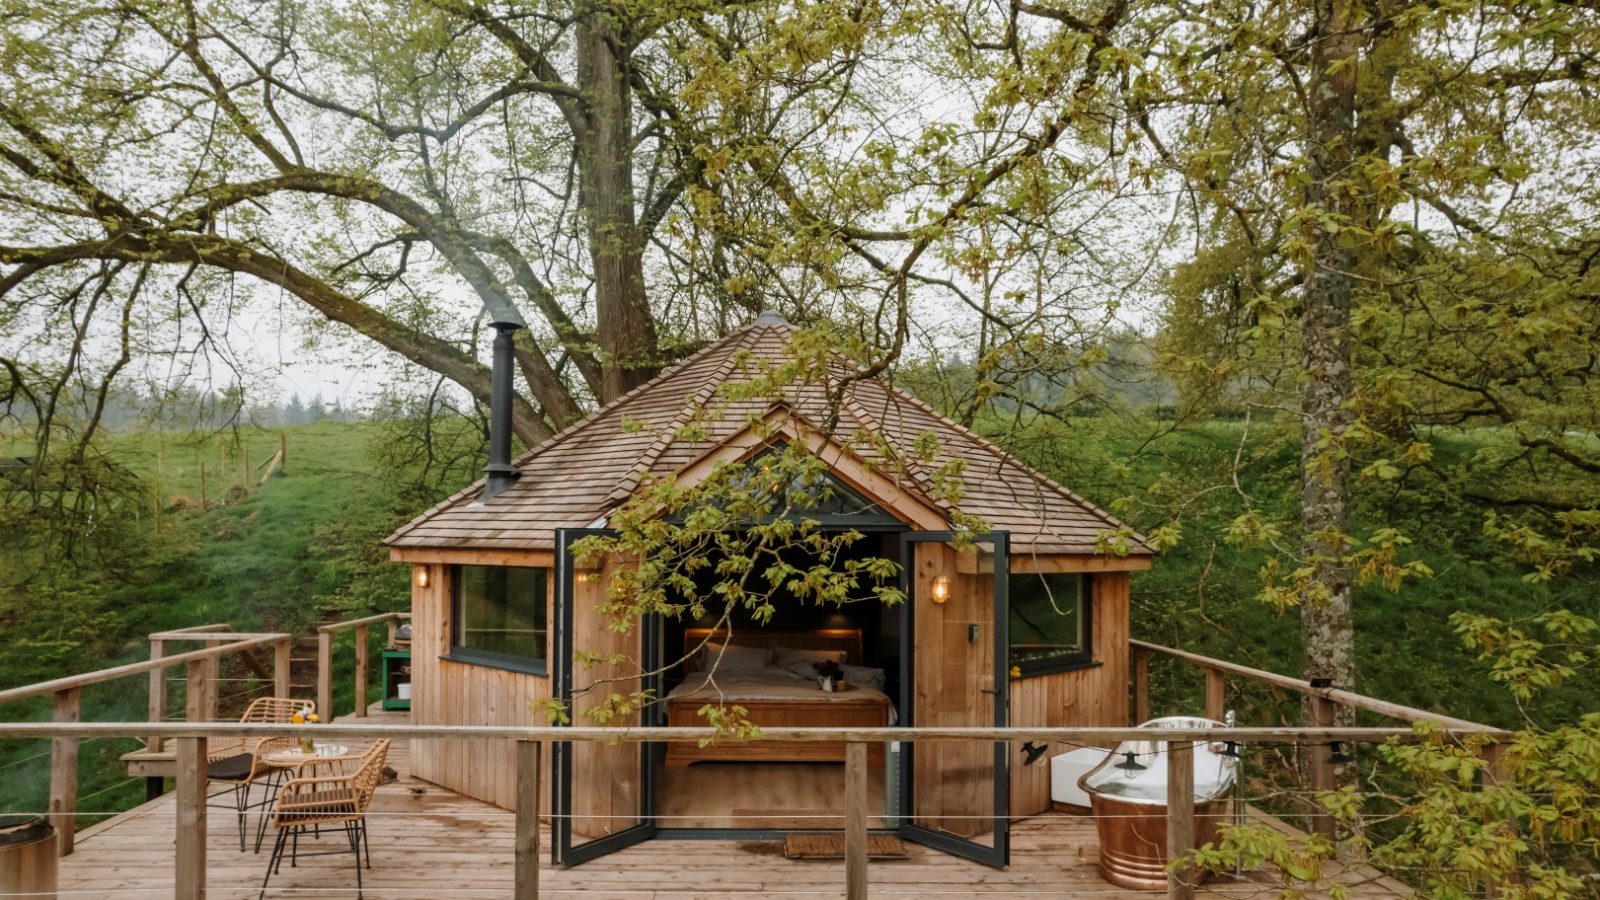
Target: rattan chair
(337,800)
(241,762)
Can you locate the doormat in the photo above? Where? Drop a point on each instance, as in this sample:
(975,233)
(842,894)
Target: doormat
(831,846)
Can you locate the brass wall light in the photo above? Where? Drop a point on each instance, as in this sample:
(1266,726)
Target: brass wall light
(422,576)
(941,590)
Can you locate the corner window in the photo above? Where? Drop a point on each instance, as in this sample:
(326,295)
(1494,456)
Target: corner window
(1049,614)
(500,617)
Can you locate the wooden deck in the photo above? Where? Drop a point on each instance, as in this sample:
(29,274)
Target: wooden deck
(431,844)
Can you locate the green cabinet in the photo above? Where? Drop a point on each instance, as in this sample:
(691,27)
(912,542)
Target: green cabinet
(396,671)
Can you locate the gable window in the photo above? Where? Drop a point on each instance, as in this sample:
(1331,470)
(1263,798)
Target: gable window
(500,617)
(1049,616)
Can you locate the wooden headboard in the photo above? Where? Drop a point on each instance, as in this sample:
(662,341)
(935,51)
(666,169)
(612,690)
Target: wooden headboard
(846,639)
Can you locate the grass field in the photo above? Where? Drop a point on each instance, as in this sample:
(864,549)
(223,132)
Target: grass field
(277,555)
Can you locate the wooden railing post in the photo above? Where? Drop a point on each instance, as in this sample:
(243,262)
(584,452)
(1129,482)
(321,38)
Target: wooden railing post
(189,875)
(855,821)
(282,666)
(213,681)
(362,636)
(158,694)
(1216,694)
(1141,685)
(1180,816)
(394,630)
(1321,766)
(325,675)
(527,875)
(64,772)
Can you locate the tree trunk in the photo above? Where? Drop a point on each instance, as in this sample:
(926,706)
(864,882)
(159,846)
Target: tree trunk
(1327,632)
(625,330)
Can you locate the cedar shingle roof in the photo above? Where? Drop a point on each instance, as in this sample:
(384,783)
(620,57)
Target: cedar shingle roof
(592,466)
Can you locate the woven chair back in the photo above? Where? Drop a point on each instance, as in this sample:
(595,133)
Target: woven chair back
(272,709)
(370,774)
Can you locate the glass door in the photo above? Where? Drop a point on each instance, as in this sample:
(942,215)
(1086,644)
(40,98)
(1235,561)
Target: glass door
(604,798)
(954,795)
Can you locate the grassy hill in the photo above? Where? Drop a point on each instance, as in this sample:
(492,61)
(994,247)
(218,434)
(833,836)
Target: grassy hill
(273,555)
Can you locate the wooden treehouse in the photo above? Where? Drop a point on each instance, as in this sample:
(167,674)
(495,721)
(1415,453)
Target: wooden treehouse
(939,757)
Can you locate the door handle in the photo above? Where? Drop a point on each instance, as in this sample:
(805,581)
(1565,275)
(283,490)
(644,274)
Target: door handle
(993,692)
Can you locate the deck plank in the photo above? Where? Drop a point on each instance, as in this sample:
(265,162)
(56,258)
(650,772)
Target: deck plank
(429,843)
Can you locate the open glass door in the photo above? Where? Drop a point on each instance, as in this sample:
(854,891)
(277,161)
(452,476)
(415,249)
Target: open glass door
(954,795)
(604,799)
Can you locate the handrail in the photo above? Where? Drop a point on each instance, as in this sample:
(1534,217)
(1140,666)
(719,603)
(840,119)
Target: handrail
(1301,686)
(1321,709)
(325,635)
(673,733)
(368,620)
(74,682)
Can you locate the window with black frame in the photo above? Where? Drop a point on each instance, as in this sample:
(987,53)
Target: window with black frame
(500,616)
(1049,621)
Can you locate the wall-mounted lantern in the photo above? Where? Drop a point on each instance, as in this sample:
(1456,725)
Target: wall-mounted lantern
(941,589)
(422,576)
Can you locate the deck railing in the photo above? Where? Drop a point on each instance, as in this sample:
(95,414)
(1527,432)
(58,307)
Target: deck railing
(202,681)
(67,697)
(189,862)
(362,628)
(1321,706)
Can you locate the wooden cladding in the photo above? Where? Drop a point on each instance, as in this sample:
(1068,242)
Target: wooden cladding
(444,692)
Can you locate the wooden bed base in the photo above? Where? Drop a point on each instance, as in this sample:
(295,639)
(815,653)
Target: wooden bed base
(869,711)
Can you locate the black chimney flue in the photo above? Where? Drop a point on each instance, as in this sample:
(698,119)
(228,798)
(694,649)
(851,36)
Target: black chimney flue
(502,474)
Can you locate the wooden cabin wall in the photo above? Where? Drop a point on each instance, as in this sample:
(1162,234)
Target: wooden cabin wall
(954,781)
(1097,695)
(605,776)
(452,693)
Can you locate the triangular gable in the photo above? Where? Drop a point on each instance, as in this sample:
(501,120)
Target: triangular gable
(854,473)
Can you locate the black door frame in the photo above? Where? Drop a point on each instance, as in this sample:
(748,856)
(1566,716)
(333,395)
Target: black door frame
(999,855)
(562,850)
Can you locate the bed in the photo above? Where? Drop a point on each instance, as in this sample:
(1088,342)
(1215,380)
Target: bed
(779,694)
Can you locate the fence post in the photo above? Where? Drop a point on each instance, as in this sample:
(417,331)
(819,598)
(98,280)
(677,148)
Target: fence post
(325,675)
(189,876)
(1216,694)
(189,879)
(1322,773)
(1180,816)
(362,636)
(64,772)
(213,683)
(855,821)
(527,877)
(282,666)
(158,694)
(1141,685)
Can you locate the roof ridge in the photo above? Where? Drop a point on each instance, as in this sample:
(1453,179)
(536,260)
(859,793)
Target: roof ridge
(1005,454)
(570,429)
(668,435)
(922,481)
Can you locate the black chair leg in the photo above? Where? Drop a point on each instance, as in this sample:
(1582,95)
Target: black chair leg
(366,840)
(241,799)
(267,803)
(276,859)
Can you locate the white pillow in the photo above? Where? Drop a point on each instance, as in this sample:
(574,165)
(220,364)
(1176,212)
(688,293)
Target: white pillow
(728,658)
(786,655)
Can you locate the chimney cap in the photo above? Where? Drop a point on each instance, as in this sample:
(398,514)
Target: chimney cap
(504,314)
(771,317)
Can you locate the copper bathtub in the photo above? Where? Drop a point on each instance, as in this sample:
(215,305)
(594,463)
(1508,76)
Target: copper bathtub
(1130,805)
